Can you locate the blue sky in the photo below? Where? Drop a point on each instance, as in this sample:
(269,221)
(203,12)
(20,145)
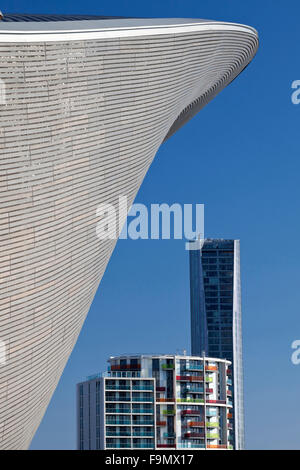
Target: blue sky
(240,157)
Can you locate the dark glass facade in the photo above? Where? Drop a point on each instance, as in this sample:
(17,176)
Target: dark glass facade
(216,313)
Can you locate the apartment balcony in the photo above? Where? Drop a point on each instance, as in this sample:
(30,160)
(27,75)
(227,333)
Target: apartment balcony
(195,424)
(229,381)
(118,422)
(119,399)
(193,367)
(215,446)
(169,435)
(143,445)
(166,446)
(193,390)
(126,367)
(117,387)
(217,402)
(144,388)
(191,412)
(142,434)
(124,445)
(212,435)
(209,390)
(229,415)
(117,434)
(160,389)
(193,378)
(142,423)
(142,399)
(168,412)
(190,400)
(118,411)
(190,445)
(229,372)
(229,393)
(211,368)
(163,400)
(210,412)
(194,435)
(212,425)
(161,423)
(142,411)
(168,366)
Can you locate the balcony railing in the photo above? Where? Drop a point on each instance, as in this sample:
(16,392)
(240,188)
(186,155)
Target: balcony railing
(118,446)
(126,367)
(162,400)
(229,415)
(144,399)
(142,423)
(194,435)
(193,390)
(212,425)
(143,445)
(211,368)
(161,423)
(191,412)
(168,366)
(142,411)
(165,446)
(169,435)
(210,412)
(212,435)
(160,389)
(142,387)
(190,400)
(117,387)
(113,398)
(218,402)
(215,446)
(117,434)
(168,412)
(193,367)
(196,424)
(118,411)
(117,422)
(142,434)
(190,445)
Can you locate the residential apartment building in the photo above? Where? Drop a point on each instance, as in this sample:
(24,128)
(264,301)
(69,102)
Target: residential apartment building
(157,402)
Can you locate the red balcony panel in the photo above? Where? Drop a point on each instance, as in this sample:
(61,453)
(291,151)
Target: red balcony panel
(191,412)
(160,389)
(162,400)
(229,393)
(161,423)
(126,367)
(189,378)
(191,435)
(209,390)
(218,402)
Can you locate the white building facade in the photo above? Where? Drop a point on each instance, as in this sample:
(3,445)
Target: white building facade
(87,104)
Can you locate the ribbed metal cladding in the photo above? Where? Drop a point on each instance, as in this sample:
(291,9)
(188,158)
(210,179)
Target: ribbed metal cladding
(81,125)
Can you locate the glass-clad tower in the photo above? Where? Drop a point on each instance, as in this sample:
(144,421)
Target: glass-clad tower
(216,324)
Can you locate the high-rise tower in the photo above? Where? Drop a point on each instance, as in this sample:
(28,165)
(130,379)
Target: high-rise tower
(216,324)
